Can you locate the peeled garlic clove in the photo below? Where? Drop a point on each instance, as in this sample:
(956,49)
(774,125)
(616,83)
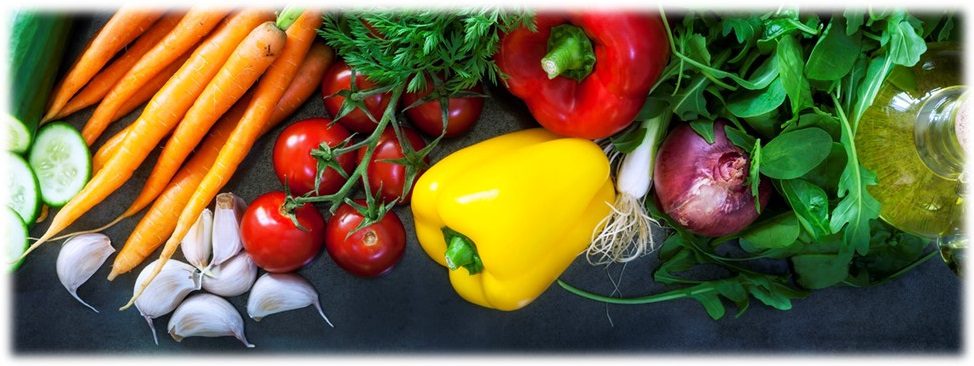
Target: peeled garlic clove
(277,292)
(79,259)
(197,243)
(206,315)
(226,227)
(167,290)
(232,278)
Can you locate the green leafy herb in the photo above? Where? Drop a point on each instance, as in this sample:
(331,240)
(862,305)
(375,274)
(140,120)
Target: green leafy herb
(811,205)
(792,154)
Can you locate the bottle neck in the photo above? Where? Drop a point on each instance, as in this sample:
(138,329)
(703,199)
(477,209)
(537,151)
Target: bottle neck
(941,131)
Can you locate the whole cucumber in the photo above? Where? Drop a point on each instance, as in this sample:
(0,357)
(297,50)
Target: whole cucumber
(37,42)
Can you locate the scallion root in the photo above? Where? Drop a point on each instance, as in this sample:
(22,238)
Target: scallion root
(626,235)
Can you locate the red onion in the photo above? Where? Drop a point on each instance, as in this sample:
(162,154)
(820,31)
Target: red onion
(702,186)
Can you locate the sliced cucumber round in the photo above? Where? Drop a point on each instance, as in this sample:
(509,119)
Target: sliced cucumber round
(23,194)
(16,136)
(15,231)
(61,162)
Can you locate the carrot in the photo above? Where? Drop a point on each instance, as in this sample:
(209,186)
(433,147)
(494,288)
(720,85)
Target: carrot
(195,25)
(159,221)
(122,28)
(110,147)
(266,96)
(158,118)
(241,70)
(108,77)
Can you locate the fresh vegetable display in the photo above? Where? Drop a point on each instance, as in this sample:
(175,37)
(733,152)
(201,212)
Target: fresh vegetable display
(536,228)
(736,156)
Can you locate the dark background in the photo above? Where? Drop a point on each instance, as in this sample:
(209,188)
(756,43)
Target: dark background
(414,308)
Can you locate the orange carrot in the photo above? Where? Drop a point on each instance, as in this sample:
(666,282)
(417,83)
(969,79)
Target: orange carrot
(110,147)
(108,77)
(266,96)
(241,70)
(121,29)
(158,118)
(195,25)
(159,221)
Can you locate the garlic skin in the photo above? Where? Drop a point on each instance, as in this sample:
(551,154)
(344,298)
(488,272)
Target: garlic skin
(206,315)
(79,259)
(166,291)
(197,243)
(232,278)
(226,227)
(277,292)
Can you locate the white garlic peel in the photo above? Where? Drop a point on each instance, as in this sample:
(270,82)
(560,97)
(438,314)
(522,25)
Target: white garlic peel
(167,290)
(196,244)
(206,315)
(232,278)
(226,227)
(277,292)
(79,259)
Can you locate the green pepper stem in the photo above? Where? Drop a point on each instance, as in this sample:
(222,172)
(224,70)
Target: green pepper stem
(460,252)
(570,53)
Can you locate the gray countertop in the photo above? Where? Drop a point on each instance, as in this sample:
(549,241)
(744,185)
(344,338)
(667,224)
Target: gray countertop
(414,308)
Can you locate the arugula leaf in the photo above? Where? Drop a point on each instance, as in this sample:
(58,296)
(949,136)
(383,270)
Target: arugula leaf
(834,54)
(854,19)
(754,175)
(794,153)
(739,138)
(629,141)
(857,206)
(777,232)
(756,103)
(705,129)
(866,92)
(689,104)
(905,45)
(818,271)
(744,28)
(791,71)
(810,204)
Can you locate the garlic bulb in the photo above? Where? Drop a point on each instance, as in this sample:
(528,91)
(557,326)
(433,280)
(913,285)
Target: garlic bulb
(232,278)
(79,259)
(226,227)
(206,315)
(277,292)
(196,244)
(167,290)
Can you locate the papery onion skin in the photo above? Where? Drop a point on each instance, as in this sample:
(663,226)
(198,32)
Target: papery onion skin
(704,187)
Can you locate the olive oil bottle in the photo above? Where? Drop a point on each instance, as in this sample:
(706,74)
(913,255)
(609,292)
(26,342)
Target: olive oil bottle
(913,137)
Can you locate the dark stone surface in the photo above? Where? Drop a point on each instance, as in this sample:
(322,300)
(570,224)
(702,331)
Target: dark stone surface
(414,309)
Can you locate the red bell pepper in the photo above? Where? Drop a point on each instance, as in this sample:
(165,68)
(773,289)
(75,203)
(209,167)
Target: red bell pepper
(585,74)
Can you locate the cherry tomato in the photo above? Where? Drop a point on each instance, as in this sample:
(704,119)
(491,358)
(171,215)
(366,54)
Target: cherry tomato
(386,180)
(273,241)
(462,113)
(370,251)
(294,164)
(338,78)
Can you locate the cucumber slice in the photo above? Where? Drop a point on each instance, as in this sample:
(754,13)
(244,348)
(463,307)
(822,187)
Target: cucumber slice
(22,190)
(16,136)
(15,231)
(61,162)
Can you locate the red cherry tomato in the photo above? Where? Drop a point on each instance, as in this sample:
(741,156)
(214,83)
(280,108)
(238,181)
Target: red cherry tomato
(273,241)
(338,78)
(294,164)
(386,180)
(370,251)
(462,113)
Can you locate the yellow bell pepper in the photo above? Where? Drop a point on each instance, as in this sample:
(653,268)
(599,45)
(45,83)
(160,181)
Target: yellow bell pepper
(513,211)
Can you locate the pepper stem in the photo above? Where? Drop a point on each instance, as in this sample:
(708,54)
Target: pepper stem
(570,53)
(461,252)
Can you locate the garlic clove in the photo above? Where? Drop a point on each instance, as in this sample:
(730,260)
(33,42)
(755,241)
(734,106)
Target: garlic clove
(79,259)
(232,278)
(207,315)
(226,227)
(166,291)
(277,292)
(197,243)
